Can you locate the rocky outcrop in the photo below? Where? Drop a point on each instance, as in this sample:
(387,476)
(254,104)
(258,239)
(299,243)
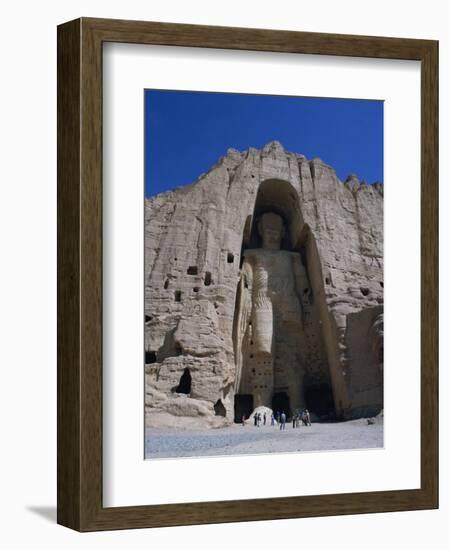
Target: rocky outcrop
(196,241)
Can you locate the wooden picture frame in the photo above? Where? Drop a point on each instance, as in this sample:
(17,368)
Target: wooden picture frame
(80,503)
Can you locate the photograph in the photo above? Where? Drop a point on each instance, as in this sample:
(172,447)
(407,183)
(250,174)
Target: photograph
(238,331)
(263,274)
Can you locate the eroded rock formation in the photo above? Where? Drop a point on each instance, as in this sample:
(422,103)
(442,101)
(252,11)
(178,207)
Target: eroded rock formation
(264,287)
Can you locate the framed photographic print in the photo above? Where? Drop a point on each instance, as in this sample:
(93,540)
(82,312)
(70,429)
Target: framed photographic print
(247,289)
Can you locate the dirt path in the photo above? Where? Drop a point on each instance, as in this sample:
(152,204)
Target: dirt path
(236,440)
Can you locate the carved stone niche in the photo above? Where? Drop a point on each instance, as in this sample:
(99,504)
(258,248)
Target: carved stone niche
(269,322)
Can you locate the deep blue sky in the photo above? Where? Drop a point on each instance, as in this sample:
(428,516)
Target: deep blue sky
(186,132)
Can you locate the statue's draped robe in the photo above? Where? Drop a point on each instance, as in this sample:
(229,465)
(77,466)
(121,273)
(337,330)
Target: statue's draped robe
(268,313)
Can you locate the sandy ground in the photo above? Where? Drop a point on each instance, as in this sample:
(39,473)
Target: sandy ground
(238,439)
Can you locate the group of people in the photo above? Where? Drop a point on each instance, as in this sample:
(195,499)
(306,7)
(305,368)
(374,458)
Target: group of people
(280,418)
(301,416)
(260,419)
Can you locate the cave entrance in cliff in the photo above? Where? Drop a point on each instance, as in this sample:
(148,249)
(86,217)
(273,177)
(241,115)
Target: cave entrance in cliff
(185,382)
(243,406)
(281,403)
(320,400)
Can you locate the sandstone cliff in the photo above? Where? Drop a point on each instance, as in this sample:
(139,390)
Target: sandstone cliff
(195,240)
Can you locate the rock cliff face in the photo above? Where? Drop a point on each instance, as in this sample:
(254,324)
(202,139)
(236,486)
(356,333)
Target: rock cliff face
(201,240)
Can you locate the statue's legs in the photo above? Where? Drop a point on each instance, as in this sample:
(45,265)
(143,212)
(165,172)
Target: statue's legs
(262,325)
(263,379)
(262,351)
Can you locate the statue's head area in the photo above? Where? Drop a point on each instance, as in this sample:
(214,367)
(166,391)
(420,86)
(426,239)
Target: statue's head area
(271,230)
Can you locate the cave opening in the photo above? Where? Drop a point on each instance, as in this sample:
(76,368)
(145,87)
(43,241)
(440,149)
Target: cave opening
(281,403)
(219,408)
(150,357)
(185,382)
(320,400)
(208,278)
(243,406)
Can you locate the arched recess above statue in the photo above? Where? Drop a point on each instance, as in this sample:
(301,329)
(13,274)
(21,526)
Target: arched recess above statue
(279,196)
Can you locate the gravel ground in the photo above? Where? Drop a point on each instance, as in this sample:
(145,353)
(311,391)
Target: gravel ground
(236,439)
